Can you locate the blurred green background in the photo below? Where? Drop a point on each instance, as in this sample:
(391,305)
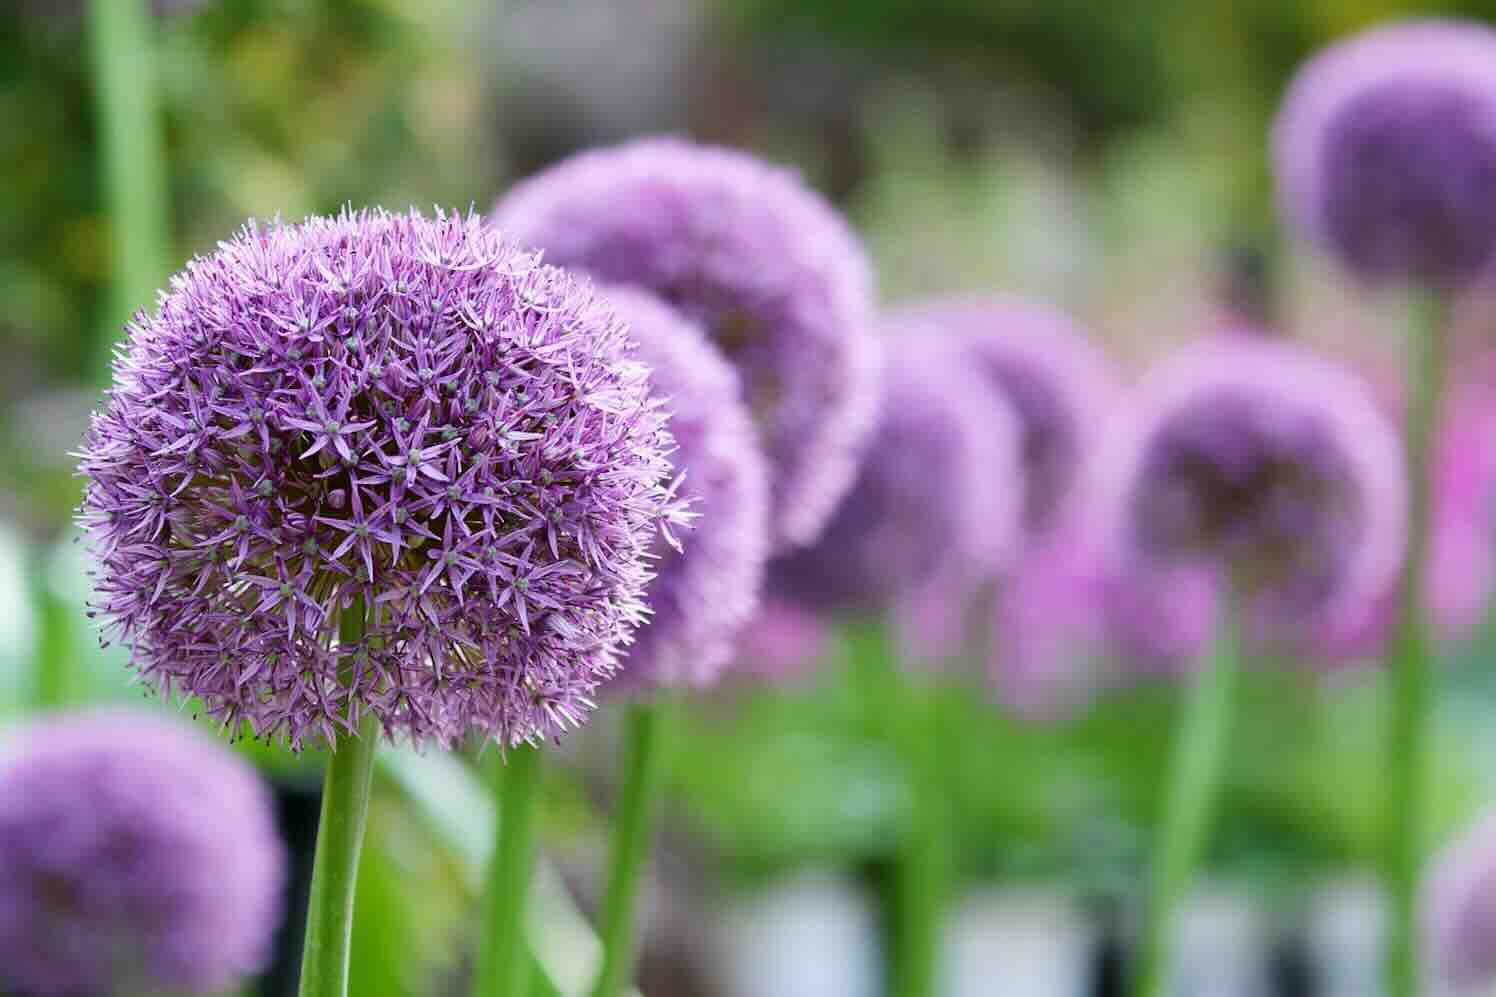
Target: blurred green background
(1110,157)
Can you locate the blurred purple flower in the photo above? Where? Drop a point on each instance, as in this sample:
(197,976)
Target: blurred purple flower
(705,591)
(782,642)
(1463,543)
(1046,372)
(1459,910)
(136,856)
(939,497)
(1069,624)
(402,410)
(1256,460)
(766,266)
(1385,151)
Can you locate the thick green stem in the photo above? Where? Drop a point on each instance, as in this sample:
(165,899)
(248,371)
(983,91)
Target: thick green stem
(503,968)
(1412,693)
(1196,771)
(133,153)
(632,825)
(907,712)
(340,836)
(923,876)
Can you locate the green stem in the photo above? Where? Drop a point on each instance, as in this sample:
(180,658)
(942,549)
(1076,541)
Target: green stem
(1412,693)
(632,824)
(132,144)
(55,658)
(907,714)
(503,959)
(1196,771)
(340,836)
(923,875)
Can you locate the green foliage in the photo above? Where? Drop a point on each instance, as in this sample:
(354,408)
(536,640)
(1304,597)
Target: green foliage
(815,778)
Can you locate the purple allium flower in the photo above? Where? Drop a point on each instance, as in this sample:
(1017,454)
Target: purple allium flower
(136,855)
(1459,911)
(1385,150)
(939,497)
(1256,460)
(766,266)
(1045,370)
(705,591)
(387,408)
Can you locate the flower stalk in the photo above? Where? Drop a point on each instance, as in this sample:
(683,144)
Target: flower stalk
(1196,772)
(503,968)
(1412,650)
(632,824)
(340,837)
(132,143)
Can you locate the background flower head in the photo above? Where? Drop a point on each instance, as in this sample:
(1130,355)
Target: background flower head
(1044,369)
(1267,468)
(1463,542)
(939,496)
(136,855)
(766,266)
(387,410)
(1385,151)
(705,591)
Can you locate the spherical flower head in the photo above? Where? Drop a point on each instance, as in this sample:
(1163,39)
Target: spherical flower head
(1044,370)
(1385,151)
(1459,911)
(400,418)
(762,263)
(136,856)
(706,590)
(939,497)
(1267,469)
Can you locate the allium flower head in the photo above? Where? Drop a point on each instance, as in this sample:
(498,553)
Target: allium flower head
(705,591)
(1257,462)
(1385,151)
(939,496)
(386,410)
(766,266)
(1459,909)
(136,856)
(1043,368)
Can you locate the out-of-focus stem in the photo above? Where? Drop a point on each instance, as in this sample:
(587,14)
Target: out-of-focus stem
(632,821)
(133,165)
(503,968)
(1412,694)
(55,659)
(1196,771)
